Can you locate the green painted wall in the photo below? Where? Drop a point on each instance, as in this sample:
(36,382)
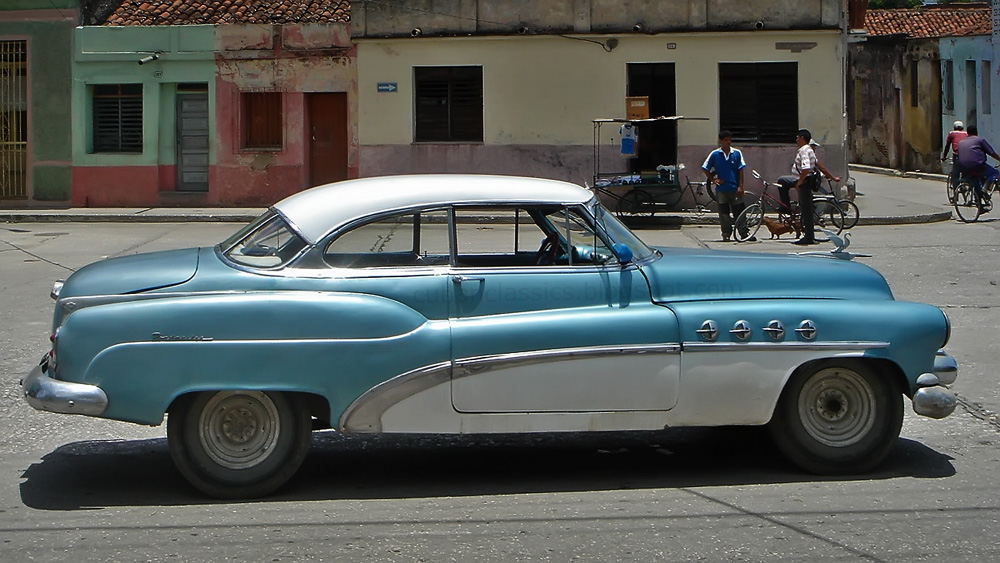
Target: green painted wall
(110,55)
(49,38)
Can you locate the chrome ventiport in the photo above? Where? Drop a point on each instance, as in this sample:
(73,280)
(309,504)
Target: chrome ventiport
(709,331)
(741,330)
(775,330)
(807,330)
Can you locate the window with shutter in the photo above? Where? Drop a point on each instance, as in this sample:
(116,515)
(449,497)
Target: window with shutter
(117,112)
(262,120)
(759,102)
(448,104)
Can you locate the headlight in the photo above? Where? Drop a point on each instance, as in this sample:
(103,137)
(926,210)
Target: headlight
(56,289)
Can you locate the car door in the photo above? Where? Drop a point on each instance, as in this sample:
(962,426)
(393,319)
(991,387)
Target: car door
(565,330)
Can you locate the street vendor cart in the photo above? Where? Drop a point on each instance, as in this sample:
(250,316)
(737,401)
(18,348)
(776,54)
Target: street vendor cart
(645,193)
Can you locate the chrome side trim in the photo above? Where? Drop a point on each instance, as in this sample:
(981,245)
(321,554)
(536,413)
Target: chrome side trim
(733,346)
(364,414)
(47,394)
(476,365)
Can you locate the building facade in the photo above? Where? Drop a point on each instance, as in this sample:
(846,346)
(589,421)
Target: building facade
(514,87)
(35,111)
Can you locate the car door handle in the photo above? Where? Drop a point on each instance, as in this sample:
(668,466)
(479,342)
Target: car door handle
(460,279)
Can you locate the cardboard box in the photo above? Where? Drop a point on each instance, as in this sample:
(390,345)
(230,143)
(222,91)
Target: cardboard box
(637,107)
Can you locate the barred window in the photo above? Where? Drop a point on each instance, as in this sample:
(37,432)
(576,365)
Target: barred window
(117,118)
(262,120)
(448,104)
(759,102)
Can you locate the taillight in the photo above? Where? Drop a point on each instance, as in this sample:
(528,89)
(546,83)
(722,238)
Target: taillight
(54,339)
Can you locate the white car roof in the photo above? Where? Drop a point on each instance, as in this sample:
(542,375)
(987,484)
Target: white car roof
(318,211)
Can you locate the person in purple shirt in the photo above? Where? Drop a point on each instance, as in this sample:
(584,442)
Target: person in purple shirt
(972,153)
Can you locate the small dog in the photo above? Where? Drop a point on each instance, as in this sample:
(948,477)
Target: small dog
(778,228)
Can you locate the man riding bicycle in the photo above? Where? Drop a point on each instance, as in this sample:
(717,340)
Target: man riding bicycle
(972,153)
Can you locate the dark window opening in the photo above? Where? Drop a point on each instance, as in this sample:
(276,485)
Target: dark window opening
(448,104)
(658,139)
(759,102)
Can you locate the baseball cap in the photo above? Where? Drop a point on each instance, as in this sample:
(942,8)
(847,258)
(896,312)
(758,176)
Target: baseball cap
(958,125)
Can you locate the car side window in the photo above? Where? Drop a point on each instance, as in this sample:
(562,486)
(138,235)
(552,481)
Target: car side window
(406,239)
(527,236)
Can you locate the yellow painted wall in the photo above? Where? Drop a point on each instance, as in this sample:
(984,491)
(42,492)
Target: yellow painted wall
(547,89)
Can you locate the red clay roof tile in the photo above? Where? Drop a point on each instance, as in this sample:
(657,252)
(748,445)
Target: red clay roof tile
(215,12)
(931,21)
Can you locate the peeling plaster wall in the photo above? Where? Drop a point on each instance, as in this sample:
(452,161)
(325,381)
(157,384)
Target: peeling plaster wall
(295,60)
(894,96)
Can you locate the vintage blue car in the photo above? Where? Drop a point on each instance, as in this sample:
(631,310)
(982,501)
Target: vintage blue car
(459,304)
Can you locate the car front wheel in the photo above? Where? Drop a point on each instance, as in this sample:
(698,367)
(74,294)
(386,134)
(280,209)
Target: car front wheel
(238,444)
(838,417)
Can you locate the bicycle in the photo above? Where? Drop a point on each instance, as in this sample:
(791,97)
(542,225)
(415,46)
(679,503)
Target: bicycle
(972,199)
(845,207)
(750,219)
(950,181)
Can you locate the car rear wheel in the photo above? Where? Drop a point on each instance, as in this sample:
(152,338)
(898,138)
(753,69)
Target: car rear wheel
(837,417)
(239,444)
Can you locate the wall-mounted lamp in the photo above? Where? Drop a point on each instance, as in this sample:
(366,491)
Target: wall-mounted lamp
(416,32)
(758,25)
(149,58)
(522,30)
(638,27)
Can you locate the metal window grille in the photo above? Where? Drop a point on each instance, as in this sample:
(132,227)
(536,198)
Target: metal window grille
(117,118)
(759,102)
(13,119)
(262,120)
(448,104)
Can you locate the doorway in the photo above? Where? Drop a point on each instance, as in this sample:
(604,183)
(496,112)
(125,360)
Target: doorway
(327,137)
(657,140)
(192,137)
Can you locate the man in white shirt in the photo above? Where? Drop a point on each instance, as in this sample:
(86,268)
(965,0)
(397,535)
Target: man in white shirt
(803,169)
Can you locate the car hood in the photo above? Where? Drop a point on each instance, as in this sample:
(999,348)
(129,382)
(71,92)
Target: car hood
(133,274)
(700,275)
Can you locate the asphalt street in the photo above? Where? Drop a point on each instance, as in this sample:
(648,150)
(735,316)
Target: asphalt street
(83,489)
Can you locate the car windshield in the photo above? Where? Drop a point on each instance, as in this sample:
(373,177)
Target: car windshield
(621,234)
(267,242)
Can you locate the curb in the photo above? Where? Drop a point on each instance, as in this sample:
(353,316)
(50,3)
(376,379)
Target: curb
(896,173)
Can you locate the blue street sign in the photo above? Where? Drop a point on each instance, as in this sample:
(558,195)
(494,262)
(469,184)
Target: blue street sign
(387,87)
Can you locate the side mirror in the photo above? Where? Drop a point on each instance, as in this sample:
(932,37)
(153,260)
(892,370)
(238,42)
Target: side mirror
(623,252)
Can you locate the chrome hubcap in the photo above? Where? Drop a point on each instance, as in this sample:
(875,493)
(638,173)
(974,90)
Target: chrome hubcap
(837,407)
(239,430)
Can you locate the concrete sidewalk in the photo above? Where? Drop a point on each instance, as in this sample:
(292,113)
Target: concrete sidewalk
(884,198)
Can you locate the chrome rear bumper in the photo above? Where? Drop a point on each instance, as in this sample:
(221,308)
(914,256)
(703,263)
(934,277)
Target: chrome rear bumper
(47,394)
(933,398)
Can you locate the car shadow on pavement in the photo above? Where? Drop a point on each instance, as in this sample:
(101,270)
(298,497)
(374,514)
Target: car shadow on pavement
(96,474)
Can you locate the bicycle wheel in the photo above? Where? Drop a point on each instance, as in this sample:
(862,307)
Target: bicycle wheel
(848,214)
(828,217)
(966,203)
(748,222)
(949,185)
(710,188)
(635,203)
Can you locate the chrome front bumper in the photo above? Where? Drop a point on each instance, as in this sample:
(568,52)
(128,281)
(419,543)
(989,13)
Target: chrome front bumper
(47,394)
(933,398)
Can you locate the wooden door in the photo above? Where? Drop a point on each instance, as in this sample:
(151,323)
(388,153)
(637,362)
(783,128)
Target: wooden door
(327,137)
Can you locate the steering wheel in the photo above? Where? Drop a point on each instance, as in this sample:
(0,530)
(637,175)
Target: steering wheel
(546,254)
